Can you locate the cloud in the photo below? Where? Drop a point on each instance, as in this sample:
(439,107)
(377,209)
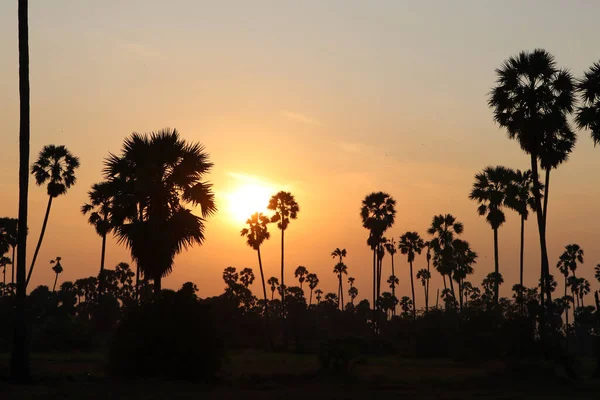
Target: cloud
(137,49)
(297,117)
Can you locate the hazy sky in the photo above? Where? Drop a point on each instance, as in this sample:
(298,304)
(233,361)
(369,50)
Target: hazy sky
(329,99)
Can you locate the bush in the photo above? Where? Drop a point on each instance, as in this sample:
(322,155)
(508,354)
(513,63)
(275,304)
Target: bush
(172,338)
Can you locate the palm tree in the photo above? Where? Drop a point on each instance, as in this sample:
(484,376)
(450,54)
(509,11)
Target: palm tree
(463,259)
(428,256)
(411,244)
(58,269)
(300,273)
(584,289)
(154,179)
(378,213)
(4,261)
(567,263)
(489,190)
(55,166)
(8,230)
(274,283)
(532,101)
(340,269)
(313,281)
(319,294)
(339,253)
(19,359)
(520,198)
(443,228)
(424,275)
(99,209)
(286,208)
(352,292)
(256,233)
(588,114)
(247,277)
(393,282)
(390,247)
(597,272)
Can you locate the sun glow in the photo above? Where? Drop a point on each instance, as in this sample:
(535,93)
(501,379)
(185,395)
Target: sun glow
(247,199)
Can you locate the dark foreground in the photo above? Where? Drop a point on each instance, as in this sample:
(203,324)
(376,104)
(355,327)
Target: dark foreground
(251,375)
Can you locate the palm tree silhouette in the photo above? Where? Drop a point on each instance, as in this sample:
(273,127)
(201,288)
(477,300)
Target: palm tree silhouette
(340,269)
(424,275)
(274,283)
(390,247)
(584,289)
(352,292)
(99,209)
(156,177)
(428,256)
(378,213)
(4,261)
(567,262)
(532,101)
(588,116)
(286,208)
(58,269)
(247,277)
(443,228)
(256,233)
(300,273)
(55,166)
(9,231)
(393,282)
(19,359)
(411,244)
(319,294)
(313,281)
(463,259)
(490,191)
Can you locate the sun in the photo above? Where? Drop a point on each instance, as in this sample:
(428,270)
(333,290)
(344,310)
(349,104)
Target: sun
(247,199)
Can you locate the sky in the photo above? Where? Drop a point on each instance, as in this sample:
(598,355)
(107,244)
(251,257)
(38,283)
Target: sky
(329,100)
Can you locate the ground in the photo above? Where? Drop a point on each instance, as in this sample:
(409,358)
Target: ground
(252,374)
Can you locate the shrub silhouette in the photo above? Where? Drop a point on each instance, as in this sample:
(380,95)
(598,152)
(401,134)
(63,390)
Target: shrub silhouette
(171,338)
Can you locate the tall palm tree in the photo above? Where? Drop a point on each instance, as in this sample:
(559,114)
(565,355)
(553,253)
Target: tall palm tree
(286,209)
(274,283)
(424,275)
(58,269)
(443,229)
(532,101)
(99,209)
(520,198)
(19,359)
(390,247)
(584,289)
(9,231)
(490,190)
(300,273)
(256,233)
(155,179)
(339,253)
(567,262)
(55,166)
(588,114)
(313,281)
(378,214)
(428,256)
(319,294)
(340,269)
(411,244)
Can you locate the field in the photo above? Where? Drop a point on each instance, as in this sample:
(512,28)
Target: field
(272,376)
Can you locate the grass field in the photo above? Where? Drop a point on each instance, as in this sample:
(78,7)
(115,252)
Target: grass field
(252,374)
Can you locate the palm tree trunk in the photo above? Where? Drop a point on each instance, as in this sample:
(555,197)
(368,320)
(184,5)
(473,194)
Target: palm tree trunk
(19,360)
(427,291)
(285,334)
(567,307)
(394,286)
(545,271)
(521,258)
(546,188)
(452,287)
(374,287)
(460,294)
(12,268)
(496,265)
(39,244)
(262,279)
(412,287)
(310,299)
(137,283)
(55,280)
(101,274)
(426,300)
(341,293)
(4,284)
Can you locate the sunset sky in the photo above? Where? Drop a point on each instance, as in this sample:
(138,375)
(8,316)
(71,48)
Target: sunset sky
(330,100)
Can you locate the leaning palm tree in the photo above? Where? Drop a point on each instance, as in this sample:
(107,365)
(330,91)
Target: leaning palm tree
(300,273)
(532,101)
(313,282)
(19,358)
(411,244)
(443,229)
(256,233)
(286,208)
(340,269)
(424,275)
(55,166)
(155,179)
(490,190)
(8,230)
(274,283)
(99,209)
(58,269)
(378,213)
(588,114)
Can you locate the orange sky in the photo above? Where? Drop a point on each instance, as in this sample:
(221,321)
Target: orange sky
(336,100)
